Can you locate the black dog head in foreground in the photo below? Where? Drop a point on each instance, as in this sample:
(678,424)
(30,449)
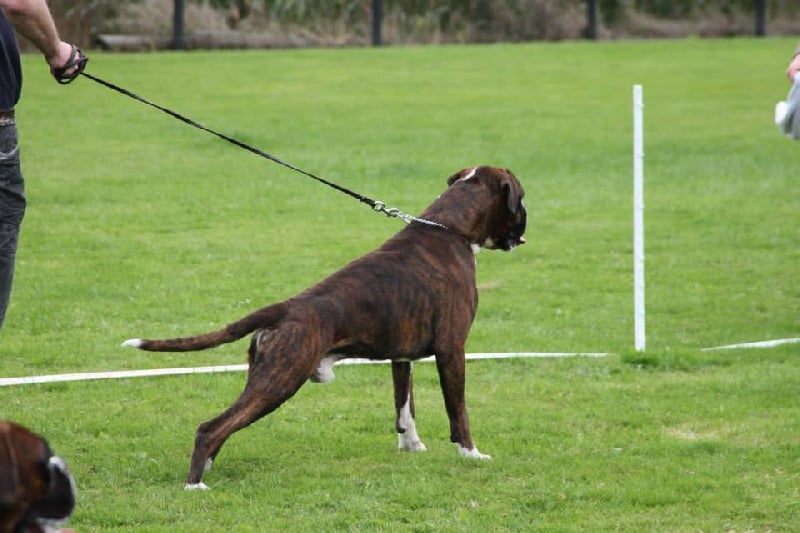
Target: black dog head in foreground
(413,297)
(37,491)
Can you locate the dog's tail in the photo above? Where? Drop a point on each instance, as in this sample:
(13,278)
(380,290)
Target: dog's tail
(263,318)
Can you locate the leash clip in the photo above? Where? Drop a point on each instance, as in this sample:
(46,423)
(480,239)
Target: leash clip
(396,213)
(391,212)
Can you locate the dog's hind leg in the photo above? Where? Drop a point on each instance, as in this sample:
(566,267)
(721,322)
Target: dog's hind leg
(211,435)
(211,458)
(404,405)
(281,362)
(254,403)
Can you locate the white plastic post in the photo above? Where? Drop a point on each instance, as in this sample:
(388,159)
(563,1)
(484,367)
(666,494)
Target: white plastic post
(638,219)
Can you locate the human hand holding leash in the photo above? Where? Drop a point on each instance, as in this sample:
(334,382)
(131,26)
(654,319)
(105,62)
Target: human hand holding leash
(68,63)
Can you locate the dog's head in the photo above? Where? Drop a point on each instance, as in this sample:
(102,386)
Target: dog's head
(36,489)
(501,223)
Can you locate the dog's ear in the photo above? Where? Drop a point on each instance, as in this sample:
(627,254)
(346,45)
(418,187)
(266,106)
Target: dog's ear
(12,491)
(510,183)
(9,479)
(454,178)
(461,174)
(24,472)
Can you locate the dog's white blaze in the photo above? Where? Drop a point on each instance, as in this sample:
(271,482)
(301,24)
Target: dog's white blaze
(472,453)
(471,174)
(133,343)
(196,486)
(410,439)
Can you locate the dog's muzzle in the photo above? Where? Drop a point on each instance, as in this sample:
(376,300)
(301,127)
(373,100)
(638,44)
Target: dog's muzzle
(514,235)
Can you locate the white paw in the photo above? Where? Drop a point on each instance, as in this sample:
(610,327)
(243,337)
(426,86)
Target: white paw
(406,442)
(196,486)
(472,454)
(209,463)
(132,343)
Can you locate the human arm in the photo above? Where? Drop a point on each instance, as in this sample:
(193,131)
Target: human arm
(794,66)
(32,19)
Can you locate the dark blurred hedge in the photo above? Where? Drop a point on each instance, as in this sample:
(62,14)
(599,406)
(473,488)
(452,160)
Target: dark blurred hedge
(476,20)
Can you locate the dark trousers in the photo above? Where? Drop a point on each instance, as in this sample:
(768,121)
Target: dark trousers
(12,209)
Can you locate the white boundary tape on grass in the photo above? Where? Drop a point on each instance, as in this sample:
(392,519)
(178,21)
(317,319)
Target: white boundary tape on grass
(121,374)
(86,376)
(759,344)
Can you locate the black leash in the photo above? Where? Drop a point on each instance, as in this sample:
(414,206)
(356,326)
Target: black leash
(374,204)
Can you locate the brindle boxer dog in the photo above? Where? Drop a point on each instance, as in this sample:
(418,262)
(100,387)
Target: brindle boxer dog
(37,491)
(412,297)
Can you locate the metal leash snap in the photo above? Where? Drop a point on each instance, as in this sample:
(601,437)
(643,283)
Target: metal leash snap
(379,206)
(395,212)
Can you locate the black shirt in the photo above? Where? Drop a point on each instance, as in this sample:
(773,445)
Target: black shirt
(10,70)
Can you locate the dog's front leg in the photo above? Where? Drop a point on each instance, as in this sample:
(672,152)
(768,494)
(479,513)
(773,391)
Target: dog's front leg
(451,377)
(404,406)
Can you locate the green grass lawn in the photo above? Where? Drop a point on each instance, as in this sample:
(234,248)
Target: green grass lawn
(138,225)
